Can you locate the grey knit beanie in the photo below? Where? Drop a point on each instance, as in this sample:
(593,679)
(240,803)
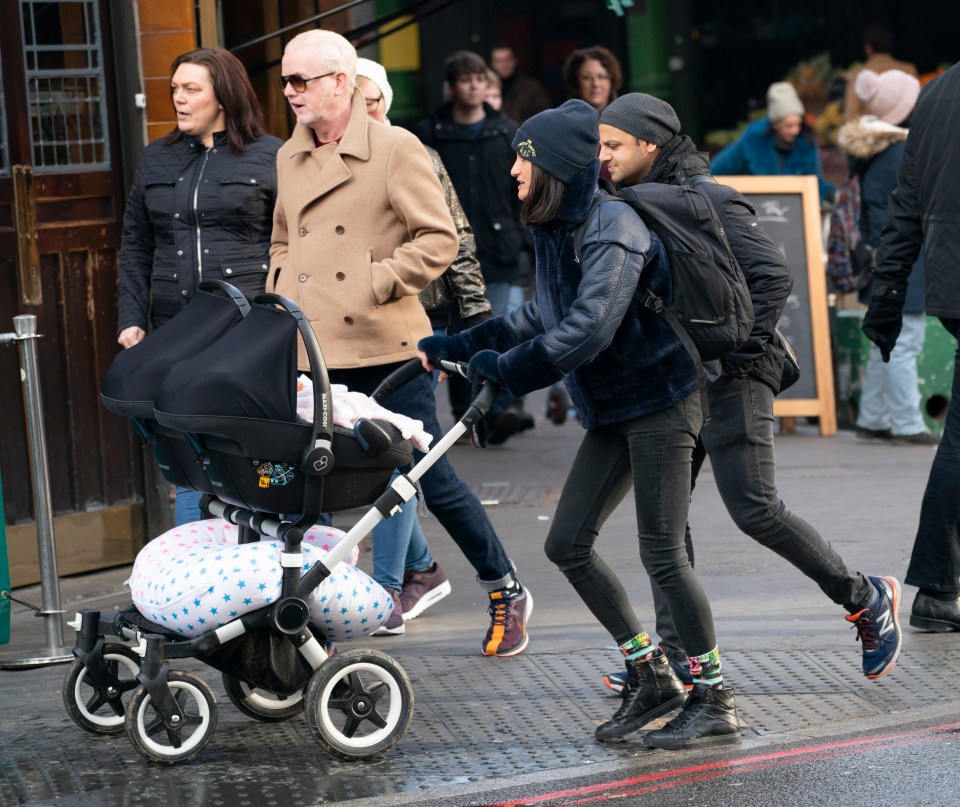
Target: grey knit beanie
(642,116)
(562,141)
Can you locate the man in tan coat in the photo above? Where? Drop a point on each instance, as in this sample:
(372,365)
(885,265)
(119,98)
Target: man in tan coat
(360,228)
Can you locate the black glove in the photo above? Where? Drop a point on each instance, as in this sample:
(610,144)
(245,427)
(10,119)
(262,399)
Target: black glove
(884,317)
(450,348)
(484,365)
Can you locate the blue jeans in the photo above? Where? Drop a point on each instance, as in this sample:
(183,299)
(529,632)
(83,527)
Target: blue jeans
(399,546)
(652,455)
(739,442)
(186,507)
(935,561)
(504,297)
(446,495)
(891,390)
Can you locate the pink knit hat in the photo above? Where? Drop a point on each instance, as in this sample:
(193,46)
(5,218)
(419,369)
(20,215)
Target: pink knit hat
(890,95)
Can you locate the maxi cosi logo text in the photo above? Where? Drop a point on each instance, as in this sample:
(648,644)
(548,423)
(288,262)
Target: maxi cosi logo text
(325,410)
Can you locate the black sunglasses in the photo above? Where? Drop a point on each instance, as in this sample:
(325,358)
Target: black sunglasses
(299,83)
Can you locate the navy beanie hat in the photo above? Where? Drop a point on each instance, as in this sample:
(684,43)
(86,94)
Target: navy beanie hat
(561,141)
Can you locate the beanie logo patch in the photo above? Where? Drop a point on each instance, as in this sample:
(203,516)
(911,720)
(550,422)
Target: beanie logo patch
(526,150)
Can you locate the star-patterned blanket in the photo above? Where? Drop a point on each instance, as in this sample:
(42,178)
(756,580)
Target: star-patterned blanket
(196,577)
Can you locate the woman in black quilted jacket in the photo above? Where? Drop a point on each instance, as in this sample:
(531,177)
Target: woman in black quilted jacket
(201,205)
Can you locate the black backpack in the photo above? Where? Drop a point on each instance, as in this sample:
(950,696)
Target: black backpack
(711,311)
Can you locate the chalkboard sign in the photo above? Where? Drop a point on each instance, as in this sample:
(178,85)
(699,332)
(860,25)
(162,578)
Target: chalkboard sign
(788,208)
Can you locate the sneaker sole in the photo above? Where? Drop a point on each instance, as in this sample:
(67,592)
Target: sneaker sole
(895,585)
(383,630)
(668,744)
(432,597)
(612,683)
(622,731)
(516,649)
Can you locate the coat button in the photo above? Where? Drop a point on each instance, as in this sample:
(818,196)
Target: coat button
(180,180)
(303,231)
(228,271)
(183,293)
(176,215)
(403,344)
(179,252)
(302,278)
(341,276)
(348,320)
(339,229)
(497,225)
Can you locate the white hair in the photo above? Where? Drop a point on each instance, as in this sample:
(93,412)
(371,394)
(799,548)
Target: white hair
(333,53)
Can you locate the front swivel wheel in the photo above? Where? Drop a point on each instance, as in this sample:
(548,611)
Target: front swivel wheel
(359,704)
(175,740)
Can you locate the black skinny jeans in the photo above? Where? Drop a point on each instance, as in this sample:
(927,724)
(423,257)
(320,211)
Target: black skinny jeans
(652,454)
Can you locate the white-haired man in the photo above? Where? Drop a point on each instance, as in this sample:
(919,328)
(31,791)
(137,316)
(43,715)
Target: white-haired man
(361,227)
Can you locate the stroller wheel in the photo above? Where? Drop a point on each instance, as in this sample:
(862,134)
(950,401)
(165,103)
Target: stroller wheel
(260,704)
(97,705)
(359,704)
(159,743)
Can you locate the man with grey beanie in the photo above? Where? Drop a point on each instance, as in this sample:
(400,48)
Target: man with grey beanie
(640,142)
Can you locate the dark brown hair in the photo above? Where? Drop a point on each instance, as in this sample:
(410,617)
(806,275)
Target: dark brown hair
(234,92)
(544,197)
(463,62)
(571,68)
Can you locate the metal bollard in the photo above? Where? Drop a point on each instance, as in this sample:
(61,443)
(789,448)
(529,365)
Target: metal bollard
(25,327)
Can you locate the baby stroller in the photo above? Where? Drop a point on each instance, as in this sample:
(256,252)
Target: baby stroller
(213,393)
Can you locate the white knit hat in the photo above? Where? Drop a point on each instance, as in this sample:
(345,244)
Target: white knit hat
(378,75)
(890,95)
(782,100)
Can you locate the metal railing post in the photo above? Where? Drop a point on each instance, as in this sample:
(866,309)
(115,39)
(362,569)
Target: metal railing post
(25,327)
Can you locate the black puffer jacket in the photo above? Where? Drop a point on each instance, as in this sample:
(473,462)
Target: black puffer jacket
(195,214)
(480,170)
(924,210)
(764,267)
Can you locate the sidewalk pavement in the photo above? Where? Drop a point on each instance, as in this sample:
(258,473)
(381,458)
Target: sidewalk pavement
(785,646)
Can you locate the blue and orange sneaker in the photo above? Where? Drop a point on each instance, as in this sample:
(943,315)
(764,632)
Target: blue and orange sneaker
(510,608)
(878,628)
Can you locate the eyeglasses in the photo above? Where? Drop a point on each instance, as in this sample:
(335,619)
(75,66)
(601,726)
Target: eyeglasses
(299,83)
(372,102)
(594,78)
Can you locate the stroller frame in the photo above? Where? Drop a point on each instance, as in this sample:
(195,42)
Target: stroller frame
(171,715)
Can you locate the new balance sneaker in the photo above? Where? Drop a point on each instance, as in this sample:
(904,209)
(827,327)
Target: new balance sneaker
(509,611)
(616,680)
(878,628)
(394,624)
(423,589)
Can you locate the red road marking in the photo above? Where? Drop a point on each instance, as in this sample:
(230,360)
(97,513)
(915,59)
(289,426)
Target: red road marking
(663,780)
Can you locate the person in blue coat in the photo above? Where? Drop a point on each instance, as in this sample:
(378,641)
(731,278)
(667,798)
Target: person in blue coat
(782,143)
(635,389)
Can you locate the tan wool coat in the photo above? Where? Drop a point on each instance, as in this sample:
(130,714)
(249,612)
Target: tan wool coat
(360,228)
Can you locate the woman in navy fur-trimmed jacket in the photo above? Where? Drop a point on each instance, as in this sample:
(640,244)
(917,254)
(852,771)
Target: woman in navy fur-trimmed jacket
(635,389)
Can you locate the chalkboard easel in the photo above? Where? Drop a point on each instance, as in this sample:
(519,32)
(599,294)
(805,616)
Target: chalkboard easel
(788,208)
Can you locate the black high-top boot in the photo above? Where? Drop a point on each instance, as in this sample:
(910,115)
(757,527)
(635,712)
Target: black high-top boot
(708,718)
(652,689)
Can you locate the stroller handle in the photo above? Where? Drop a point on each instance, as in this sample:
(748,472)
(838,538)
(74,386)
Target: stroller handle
(317,459)
(231,291)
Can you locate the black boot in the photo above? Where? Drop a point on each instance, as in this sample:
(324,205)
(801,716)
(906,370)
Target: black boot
(709,718)
(652,689)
